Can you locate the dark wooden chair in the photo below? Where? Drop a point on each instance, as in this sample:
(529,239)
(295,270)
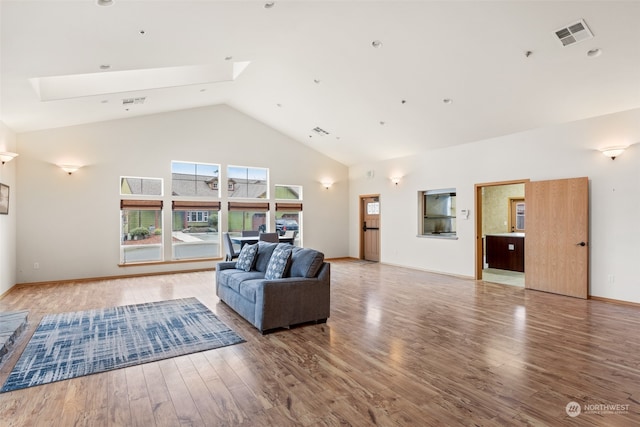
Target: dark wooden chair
(269,237)
(228,247)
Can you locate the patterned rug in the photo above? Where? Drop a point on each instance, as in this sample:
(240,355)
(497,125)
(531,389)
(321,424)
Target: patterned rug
(70,345)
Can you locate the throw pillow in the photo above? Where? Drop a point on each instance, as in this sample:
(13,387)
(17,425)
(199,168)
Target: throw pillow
(278,262)
(246,257)
(305,262)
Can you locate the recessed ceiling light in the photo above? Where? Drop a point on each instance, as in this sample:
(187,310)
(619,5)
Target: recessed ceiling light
(404,101)
(105,67)
(279,105)
(316,81)
(376,43)
(228,58)
(269,4)
(592,53)
(203,90)
(104,2)
(381,123)
(142,32)
(447,101)
(104,101)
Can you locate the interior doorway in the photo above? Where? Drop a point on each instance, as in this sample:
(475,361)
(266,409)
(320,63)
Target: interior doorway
(556,248)
(500,225)
(370,227)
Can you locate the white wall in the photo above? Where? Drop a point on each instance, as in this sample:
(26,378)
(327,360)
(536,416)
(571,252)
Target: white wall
(563,151)
(69,225)
(8,222)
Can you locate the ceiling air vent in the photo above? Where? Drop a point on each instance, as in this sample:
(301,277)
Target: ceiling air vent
(573,33)
(320,131)
(131,101)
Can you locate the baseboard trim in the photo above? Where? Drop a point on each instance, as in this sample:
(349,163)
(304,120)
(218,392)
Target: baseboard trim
(443,273)
(615,301)
(96,279)
(342,258)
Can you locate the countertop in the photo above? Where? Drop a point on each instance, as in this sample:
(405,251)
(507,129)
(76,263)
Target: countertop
(506,234)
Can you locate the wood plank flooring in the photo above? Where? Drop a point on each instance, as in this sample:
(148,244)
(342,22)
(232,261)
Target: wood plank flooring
(401,348)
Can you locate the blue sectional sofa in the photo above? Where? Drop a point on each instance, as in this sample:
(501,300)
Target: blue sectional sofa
(301,295)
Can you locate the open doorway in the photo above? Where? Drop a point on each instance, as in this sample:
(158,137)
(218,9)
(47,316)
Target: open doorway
(500,232)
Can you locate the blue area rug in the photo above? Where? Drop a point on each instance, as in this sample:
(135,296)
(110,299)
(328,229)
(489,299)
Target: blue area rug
(70,345)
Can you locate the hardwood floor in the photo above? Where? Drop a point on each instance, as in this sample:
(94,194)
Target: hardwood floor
(402,347)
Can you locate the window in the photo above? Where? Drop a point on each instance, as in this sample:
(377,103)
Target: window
(250,183)
(141,231)
(438,213)
(194,179)
(197,216)
(131,185)
(247,217)
(289,221)
(194,232)
(289,192)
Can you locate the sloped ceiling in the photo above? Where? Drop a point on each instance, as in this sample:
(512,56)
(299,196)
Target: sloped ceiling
(313,64)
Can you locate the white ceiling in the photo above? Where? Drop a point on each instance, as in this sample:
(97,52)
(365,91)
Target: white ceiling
(471,52)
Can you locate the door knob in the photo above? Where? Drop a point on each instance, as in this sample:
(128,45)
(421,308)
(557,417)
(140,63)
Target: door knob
(581,244)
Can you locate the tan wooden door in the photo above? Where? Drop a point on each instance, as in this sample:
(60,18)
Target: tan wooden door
(370,214)
(557,237)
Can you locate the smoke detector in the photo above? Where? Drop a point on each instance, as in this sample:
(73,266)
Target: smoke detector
(131,101)
(573,33)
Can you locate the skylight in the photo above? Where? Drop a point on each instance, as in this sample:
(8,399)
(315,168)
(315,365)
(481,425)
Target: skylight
(91,84)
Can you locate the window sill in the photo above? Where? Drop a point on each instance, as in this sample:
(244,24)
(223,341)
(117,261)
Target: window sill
(439,236)
(175,261)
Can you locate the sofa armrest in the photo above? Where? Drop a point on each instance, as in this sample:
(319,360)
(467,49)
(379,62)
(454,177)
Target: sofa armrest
(225,265)
(293,300)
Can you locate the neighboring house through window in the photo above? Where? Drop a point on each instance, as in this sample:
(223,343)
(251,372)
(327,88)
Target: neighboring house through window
(248,182)
(140,219)
(194,232)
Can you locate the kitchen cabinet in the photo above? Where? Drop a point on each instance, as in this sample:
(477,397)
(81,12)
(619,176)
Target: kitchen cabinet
(505,251)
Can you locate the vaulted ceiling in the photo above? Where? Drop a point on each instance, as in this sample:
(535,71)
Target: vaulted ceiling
(376,80)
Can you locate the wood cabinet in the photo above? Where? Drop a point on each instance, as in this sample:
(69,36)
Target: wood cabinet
(505,251)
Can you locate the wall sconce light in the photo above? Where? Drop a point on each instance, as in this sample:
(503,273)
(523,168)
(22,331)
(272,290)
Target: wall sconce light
(613,152)
(396,179)
(327,184)
(69,168)
(7,156)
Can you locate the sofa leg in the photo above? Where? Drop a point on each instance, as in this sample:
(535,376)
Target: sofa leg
(321,320)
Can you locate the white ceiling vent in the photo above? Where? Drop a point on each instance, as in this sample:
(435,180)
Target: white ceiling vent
(131,101)
(320,131)
(573,33)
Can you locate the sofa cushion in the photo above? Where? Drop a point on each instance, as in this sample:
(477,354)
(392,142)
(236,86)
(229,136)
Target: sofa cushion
(305,262)
(249,289)
(247,257)
(265,249)
(279,262)
(234,278)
